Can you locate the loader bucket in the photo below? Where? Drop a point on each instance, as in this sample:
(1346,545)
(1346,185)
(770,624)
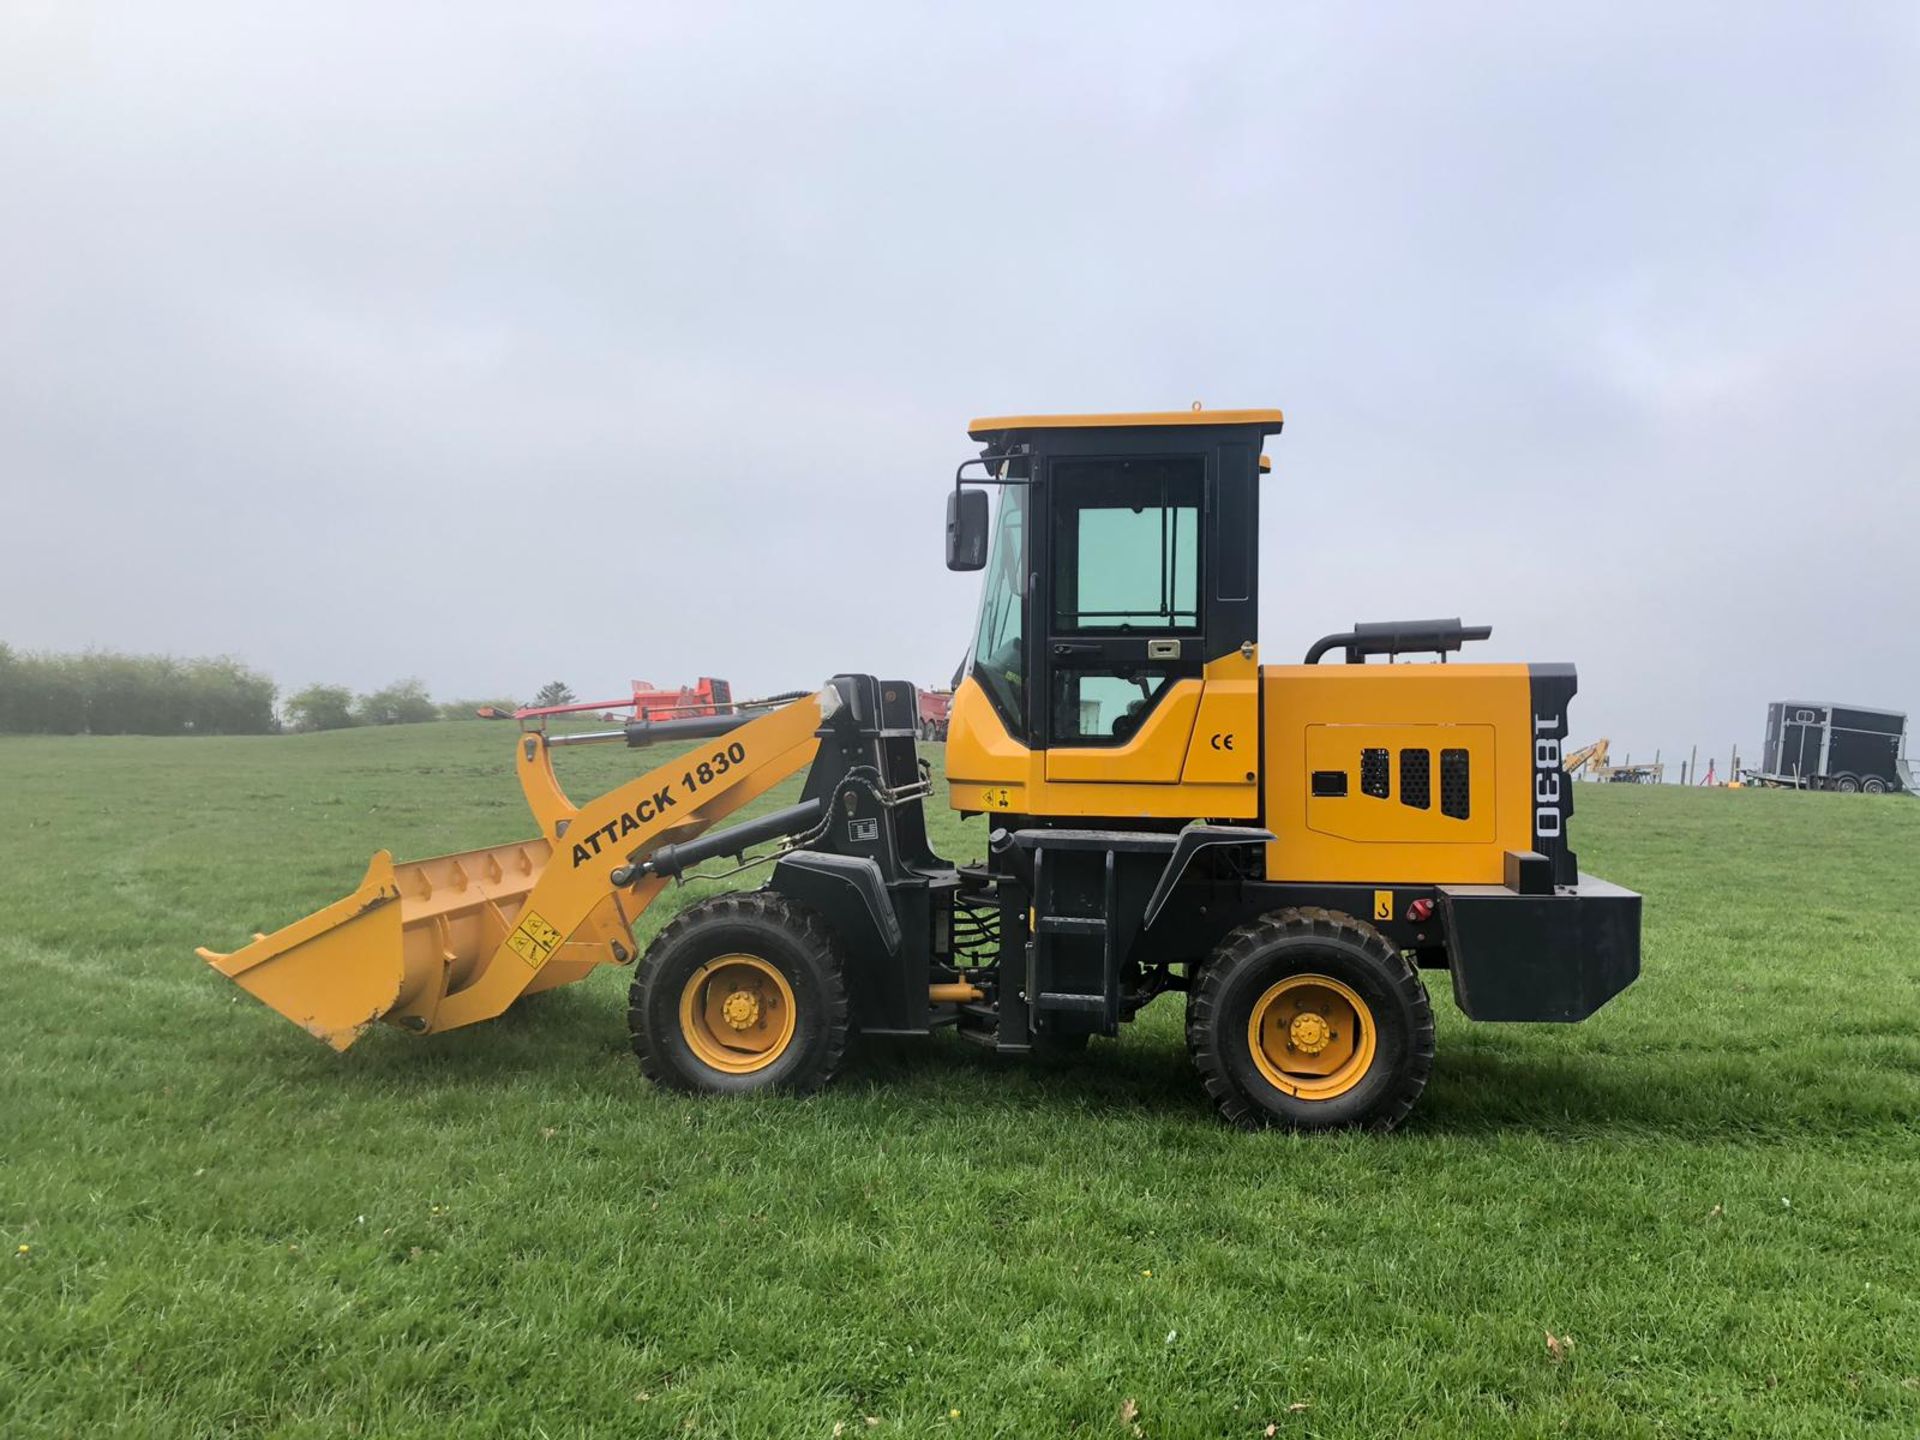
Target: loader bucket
(411,935)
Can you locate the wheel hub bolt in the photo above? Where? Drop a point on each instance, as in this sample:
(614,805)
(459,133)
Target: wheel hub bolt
(1309,1032)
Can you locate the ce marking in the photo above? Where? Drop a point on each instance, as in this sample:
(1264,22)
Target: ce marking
(1221,742)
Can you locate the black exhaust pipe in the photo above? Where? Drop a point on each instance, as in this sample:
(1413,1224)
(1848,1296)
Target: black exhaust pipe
(1399,637)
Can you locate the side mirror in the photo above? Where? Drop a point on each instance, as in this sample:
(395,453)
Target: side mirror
(967,530)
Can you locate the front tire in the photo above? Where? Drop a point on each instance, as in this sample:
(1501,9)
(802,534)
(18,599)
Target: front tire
(1847,784)
(1311,1020)
(741,993)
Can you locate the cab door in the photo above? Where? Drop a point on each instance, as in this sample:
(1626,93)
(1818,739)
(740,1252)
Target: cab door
(1124,642)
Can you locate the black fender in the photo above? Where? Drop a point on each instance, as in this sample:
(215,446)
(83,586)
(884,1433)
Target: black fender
(887,975)
(849,893)
(1193,839)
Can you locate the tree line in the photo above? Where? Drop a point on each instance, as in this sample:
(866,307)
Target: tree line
(405,702)
(103,692)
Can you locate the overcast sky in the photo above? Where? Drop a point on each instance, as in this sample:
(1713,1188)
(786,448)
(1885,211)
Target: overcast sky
(491,344)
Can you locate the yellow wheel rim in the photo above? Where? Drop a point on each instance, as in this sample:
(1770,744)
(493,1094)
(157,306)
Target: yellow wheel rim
(1312,1037)
(737,1014)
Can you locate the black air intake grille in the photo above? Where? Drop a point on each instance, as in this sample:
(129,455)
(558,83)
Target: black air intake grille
(1374,773)
(1454,784)
(1416,779)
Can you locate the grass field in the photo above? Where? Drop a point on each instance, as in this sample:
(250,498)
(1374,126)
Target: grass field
(1709,1194)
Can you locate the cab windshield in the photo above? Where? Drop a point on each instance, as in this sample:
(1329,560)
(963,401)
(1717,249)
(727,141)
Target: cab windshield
(999,659)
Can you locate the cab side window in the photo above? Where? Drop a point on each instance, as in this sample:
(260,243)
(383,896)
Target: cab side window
(999,659)
(1093,707)
(1125,569)
(1127,545)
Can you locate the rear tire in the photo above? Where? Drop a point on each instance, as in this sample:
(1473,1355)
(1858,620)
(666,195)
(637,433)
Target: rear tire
(1309,1019)
(1873,785)
(1847,784)
(741,993)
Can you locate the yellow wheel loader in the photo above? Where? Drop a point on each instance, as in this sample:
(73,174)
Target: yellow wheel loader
(1294,846)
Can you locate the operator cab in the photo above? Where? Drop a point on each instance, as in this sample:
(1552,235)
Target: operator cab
(1121,582)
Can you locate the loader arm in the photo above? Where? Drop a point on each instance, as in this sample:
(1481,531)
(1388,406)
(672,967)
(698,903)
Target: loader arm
(435,944)
(1588,757)
(680,798)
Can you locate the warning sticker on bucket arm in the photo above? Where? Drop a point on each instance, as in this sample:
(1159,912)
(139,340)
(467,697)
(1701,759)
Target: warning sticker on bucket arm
(534,940)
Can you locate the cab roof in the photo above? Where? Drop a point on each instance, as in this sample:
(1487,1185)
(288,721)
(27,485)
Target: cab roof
(1269,421)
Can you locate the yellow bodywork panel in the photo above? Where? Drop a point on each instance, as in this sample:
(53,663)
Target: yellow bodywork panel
(1225,749)
(435,944)
(1196,756)
(1392,811)
(1472,723)
(1358,722)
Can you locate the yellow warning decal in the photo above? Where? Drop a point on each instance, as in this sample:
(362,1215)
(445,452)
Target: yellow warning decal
(1383,904)
(534,940)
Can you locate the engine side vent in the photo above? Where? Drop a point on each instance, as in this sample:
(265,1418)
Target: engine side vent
(1454,784)
(1416,779)
(1374,773)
